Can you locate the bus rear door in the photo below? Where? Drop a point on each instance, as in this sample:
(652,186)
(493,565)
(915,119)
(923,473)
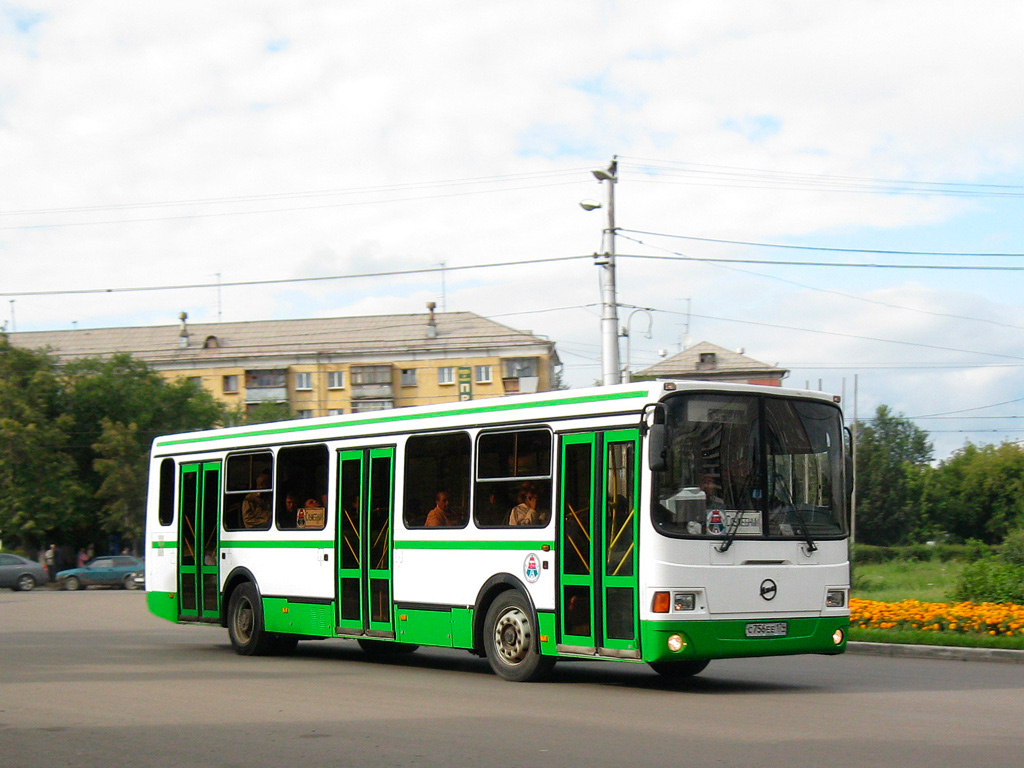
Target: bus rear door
(199,541)
(598,575)
(366,484)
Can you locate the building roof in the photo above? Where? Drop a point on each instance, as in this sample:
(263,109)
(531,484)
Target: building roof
(694,363)
(376,337)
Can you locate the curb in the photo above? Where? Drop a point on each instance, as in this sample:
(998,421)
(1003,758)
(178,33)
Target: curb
(945,652)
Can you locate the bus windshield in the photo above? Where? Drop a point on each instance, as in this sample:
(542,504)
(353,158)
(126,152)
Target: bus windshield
(749,466)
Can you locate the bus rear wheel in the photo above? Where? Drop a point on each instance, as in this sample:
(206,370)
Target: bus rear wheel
(679,670)
(245,622)
(511,642)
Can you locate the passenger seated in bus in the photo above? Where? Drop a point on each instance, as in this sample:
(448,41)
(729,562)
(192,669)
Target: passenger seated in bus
(441,516)
(256,505)
(492,512)
(526,512)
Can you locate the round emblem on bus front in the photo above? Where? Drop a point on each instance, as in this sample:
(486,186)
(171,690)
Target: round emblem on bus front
(531,568)
(769,589)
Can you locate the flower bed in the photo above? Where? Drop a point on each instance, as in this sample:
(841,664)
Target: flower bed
(992,619)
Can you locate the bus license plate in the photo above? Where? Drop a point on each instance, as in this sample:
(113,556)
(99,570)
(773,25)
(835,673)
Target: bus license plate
(767,629)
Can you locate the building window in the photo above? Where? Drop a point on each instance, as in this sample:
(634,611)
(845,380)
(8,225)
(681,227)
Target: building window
(708,361)
(483,374)
(445,375)
(335,411)
(304,380)
(304,414)
(335,379)
(264,379)
(370,374)
(230,384)
(408,377)
(519,367)
(197,381)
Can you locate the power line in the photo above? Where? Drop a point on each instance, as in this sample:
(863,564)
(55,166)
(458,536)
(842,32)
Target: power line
(839,293)
(377,189)
(840,334)
(699,174)
(881,251)
(285,281)
(954,267)
(281,210)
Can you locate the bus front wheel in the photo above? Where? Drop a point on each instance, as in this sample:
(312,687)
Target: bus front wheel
(510,640)
(245,622)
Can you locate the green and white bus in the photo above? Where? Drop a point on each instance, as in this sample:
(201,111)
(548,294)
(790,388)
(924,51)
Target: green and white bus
(670,523)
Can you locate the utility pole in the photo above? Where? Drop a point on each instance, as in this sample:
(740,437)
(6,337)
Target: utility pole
(610,371)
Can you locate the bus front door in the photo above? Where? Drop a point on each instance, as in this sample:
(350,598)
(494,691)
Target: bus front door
(366,482)
(199,542)
(598,531)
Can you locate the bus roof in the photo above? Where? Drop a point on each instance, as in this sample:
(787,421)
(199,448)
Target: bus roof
(609,400)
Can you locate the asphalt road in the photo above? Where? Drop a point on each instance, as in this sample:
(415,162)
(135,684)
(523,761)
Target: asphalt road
(91,679)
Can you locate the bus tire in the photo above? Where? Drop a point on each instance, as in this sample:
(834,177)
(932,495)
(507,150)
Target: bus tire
(511,642)
(383,648)
(245,622)
(679,670)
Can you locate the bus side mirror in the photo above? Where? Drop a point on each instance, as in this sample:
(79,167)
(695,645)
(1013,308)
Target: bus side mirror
(657,453)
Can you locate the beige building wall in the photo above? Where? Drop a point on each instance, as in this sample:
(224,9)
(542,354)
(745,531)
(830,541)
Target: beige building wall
(327,388)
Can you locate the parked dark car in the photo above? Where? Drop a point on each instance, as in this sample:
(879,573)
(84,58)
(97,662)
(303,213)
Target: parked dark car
(115,571)
(20,573)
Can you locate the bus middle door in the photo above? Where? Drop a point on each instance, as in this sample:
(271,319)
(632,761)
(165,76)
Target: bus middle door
(199,542)
(598,531)
(365,509)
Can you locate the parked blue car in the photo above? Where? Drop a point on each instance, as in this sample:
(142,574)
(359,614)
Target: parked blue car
(19,573)
(116,571)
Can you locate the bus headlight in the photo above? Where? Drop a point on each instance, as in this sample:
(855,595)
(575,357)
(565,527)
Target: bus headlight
(684,601)
(838,636)
(676,643)
(835,598)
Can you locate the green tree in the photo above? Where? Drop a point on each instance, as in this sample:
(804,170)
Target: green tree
(39,493)
(118,406)
(893,458)
(121,463)
(979,492)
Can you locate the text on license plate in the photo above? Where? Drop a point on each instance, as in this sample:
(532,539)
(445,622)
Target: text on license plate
(767,629)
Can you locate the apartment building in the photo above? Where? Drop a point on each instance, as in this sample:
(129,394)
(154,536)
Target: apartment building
(326,366)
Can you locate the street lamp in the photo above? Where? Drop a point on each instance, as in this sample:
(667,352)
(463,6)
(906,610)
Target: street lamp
(606,261)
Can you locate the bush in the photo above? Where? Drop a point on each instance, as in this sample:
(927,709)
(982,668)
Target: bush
(990,580)
(973,550)
(1012,550)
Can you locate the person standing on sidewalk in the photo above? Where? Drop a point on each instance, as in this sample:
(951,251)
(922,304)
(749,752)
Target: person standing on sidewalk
(51,561)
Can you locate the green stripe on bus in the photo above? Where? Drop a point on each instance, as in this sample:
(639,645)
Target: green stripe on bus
(165,545)
(409,417)
(447,544)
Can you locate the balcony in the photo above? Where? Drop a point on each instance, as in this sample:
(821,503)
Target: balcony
(372,392)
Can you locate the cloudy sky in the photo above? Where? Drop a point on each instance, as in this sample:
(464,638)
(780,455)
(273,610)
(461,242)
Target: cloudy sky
(160,145)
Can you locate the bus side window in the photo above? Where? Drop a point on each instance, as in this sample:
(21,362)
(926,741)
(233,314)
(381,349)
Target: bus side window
(248,491)
(437,472)
(165,503)
(513,479)
(302,488)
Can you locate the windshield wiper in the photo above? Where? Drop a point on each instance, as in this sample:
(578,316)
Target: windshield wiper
(804,531)
(730,535)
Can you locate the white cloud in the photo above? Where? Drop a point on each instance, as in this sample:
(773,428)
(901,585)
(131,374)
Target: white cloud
(196,105)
